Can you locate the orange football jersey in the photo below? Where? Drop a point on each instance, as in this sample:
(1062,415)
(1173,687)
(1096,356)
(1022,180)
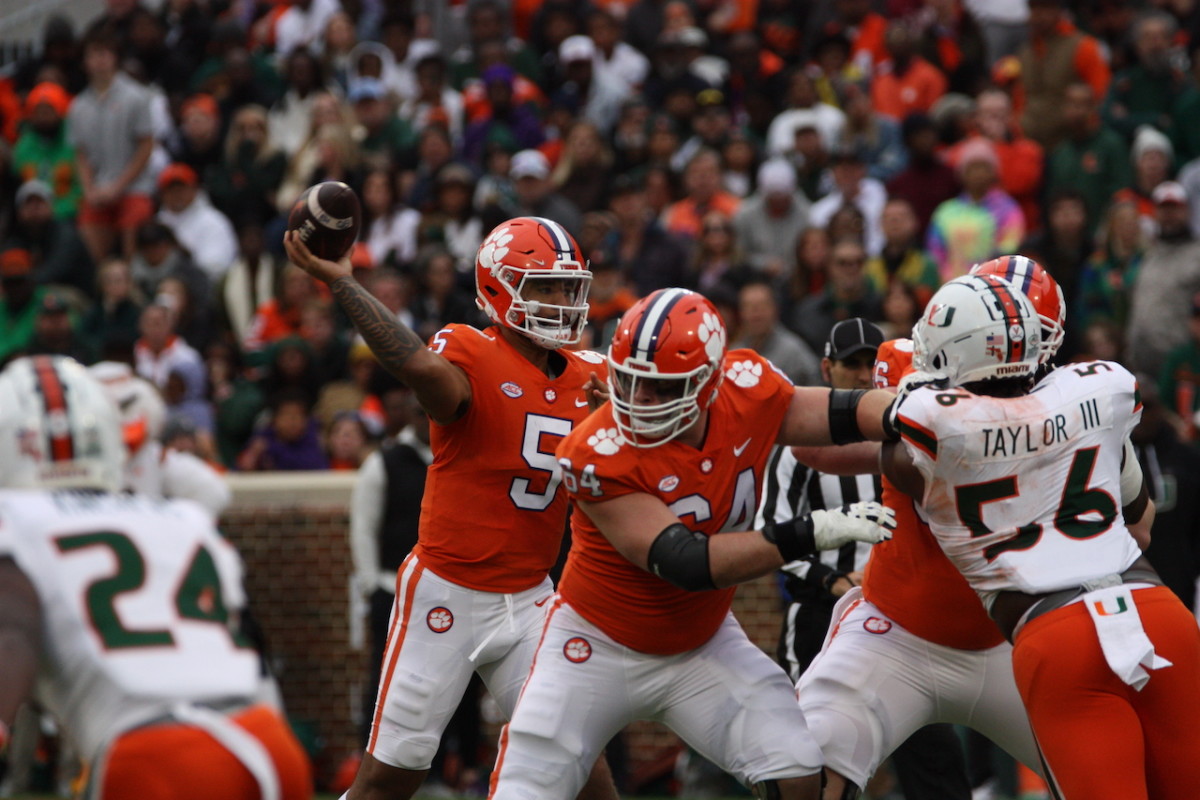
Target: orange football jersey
(711,489)
(908,576)
(494,512)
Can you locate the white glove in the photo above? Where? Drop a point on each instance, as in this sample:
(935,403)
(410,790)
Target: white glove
(869,522)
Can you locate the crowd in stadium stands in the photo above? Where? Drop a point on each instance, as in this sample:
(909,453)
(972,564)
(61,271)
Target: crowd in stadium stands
(797,162)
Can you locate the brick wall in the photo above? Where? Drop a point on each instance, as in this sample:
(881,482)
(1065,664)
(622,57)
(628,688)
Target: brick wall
(292,533)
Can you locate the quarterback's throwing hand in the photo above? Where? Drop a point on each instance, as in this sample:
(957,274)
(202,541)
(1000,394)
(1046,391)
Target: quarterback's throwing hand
(858,522)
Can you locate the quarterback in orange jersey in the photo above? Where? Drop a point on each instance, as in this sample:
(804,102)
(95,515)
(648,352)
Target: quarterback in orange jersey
(125,610)
(914,645)
(666,478)
(1033,492)
(471,597)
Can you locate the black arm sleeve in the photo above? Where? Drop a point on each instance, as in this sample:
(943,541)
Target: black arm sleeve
(680,557)
(843,415)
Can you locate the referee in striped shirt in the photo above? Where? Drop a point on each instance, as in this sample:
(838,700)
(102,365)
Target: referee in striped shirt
(793,489)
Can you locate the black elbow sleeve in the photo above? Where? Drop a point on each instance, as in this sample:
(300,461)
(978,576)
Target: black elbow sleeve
(843,415)
(680,557)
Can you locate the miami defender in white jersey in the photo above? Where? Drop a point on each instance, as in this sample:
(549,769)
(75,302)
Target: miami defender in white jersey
(125,609)
(1031,491)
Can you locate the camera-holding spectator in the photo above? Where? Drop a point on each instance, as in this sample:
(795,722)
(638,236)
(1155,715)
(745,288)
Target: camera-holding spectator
(244,184)
(647,255)
(111,127)
(847,294)
(905,83)
(1090,159)
(290,441)
(59,254)
(760,330)
(927,181)
(901,260)
(44,151)
(1166,283)
(852,187)
(980,222)
(205,232)
(768,222)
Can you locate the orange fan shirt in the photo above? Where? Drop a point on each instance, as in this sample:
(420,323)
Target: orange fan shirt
(711,489)
(494,511)
(908,576)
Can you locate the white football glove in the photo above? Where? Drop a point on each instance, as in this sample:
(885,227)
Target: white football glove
(869,522)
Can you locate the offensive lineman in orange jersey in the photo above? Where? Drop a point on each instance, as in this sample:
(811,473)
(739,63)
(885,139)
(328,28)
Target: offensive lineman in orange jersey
(641,628)
(471,596)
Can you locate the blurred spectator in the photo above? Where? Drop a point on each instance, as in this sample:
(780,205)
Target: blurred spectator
(927,181)
(847,223)
(290,441)
(875,136)
(486,22)
(535,192)
(582,173)
(716,258)
(1090,159)
(702,182)
(198,140)
(1056,55)
(20,299)
(207,234)
(980,222)
(901,260)
(340,39)
(58,55)
(768,222)
(1179,379)
(249,282)
(330,347)
(780,24)
(1146,92)
(1021,159)
(114,316)
(348,442)
(1102,341)
(1004,25)
(647,255)
(330,155)
(951,40)
(899,310)
(812,260)
(662,189)
(434,102)
(833,71)
(501,114)
(159,256)
(303,25)
(811,159)
(185,397)
(159,350)
(1166,283)
(279,316)
(1151,156)
(905,83)
(760,330)
(59,255)
(381,135)
(452,221)
(609,298)
(865,29)
(673,84)
(803,109)
(1065,244)
(711,124)
(740,156)
(1106,286)
(435,152)
(193,314)
(616,61)
(595,96)
(847,294)
(244,184)
(110,126)
(389,227)
(44,151)
(852,187)
(54,332)
(439,301)
(291,118)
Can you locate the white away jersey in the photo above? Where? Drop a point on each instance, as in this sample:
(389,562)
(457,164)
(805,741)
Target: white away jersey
(136,595)
(1024,492)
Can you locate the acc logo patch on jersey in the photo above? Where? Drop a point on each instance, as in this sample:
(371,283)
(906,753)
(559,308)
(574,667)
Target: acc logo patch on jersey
(511,389)
(876,625)
(577,650)
(439,619)
(669,483)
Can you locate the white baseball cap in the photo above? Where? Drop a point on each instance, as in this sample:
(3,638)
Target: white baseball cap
(529,164)
(576,48)
(776,176)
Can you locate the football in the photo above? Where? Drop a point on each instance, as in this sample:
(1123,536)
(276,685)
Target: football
(327,217)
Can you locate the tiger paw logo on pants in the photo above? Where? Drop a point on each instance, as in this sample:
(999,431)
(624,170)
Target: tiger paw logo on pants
(577,650)
(439,619)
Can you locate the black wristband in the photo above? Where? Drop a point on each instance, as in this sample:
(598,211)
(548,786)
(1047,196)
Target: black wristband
(891,432)
(830,578)
(843,415)
(794,538)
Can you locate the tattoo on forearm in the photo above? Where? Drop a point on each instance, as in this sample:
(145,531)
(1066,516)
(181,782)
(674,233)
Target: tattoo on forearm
(391,342)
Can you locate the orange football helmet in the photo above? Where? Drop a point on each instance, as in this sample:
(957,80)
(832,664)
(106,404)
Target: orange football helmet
(1032,279)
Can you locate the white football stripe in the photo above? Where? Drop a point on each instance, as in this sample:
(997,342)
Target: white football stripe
(325,219)
(652,319)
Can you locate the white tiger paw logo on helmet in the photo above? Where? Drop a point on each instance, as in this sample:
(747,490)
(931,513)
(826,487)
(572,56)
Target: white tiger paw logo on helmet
(493,251)
(712,333)
(744,373)
(606,441)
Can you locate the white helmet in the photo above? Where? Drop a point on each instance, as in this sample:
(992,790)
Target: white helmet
(142,409)
(58,429)
(975,328)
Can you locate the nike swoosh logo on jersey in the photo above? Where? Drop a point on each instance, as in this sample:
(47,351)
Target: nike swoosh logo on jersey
(737,451)
(580,403)
(542,602)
